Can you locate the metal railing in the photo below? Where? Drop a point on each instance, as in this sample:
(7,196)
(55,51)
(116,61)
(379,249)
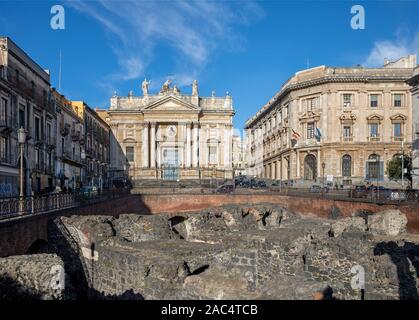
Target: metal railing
(16,206)
(10,207)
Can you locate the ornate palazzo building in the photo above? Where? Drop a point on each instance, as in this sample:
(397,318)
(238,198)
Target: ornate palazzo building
(334,124)
(170,135)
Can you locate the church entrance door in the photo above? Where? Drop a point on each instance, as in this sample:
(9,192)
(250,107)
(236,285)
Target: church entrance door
(171,164)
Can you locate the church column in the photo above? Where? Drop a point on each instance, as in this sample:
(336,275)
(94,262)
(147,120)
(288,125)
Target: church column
(188,145)
(153,145)
(195,145)
(145,145)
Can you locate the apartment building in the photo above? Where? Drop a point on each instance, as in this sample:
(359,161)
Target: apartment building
(69,145)
(25,102)
(96,146)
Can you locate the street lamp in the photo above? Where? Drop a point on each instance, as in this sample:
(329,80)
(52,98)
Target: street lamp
(403,164)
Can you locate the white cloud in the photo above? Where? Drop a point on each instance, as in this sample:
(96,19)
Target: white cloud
(401,46)
(193,30)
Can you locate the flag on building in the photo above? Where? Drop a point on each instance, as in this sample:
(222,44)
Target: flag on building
(295,135)
(318,134)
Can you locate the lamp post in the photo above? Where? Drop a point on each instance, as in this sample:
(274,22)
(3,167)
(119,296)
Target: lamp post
(323,166)
(403,164)
(21,137)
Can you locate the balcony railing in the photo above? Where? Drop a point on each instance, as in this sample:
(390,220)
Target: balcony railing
(374,138)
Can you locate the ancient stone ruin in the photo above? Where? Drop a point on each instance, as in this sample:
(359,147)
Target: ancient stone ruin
(229,252)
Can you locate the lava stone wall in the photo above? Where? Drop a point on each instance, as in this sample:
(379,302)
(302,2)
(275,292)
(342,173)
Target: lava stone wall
(172,204)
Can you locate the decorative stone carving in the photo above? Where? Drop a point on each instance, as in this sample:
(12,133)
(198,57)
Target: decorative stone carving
(347,116)
(375,117)
(309,115)
(398,116)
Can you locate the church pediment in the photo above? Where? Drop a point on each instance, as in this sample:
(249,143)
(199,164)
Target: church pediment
(170,103)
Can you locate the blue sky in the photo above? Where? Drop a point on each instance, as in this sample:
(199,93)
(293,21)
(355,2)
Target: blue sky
(248,48)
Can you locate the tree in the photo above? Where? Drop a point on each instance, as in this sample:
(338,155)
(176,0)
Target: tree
(394,167)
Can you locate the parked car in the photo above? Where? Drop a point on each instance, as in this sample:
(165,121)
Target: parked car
(275,186)
(254,184)
(379,188)
(359,191)
(245,184)
(261,184)
(89,191)
(225,188)
(315,188)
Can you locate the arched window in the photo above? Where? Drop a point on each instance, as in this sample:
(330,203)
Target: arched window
(346,165)
(310,167)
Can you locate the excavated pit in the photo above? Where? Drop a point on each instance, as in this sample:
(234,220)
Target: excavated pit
(235,252)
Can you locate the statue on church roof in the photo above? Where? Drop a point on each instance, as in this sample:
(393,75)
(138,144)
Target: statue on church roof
(144,86)
(176,90)
(195,88)
(166,86)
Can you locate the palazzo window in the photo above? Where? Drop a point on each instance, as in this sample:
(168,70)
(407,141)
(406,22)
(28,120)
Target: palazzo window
(374,130)
(212,155)
(374,100)
(37,129)
(311,104)
(397,130)
(4,155)
(129,153)
(310,130)
(278,116)
(346,165)
(285,111)
(3,110)
(48,133)
(347,131)
(22,122)
(347,99)
(397,100)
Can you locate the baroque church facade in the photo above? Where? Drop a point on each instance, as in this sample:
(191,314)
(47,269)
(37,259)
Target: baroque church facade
(170,135)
